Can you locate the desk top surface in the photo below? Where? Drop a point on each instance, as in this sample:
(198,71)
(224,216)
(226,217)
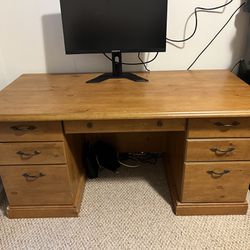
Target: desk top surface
(173,94)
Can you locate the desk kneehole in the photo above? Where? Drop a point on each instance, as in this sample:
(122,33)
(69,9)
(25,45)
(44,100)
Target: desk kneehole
(107,126)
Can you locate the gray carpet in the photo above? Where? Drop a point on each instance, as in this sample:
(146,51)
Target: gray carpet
(129,210)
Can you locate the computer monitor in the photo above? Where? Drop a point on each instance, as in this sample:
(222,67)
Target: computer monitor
(114,26)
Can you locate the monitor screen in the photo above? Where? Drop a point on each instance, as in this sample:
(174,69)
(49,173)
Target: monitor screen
(99,26)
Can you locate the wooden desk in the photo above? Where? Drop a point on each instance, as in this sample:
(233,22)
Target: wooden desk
(199,119)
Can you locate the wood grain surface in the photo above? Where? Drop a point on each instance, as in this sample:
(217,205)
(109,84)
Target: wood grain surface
(48,211)
(156,125)
(173,94)
(204,208)
(32,153)
(202,185)
(215,149)
(220,127)
(30,131)
(53,187)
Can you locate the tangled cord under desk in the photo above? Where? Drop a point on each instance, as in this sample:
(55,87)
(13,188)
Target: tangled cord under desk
(102,155)
(137,159)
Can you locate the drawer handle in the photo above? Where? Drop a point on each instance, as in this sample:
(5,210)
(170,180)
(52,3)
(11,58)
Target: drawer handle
(29,177)
(218,174)
(23,128)
(89,125)
(159,123)
(26,156)
(221,152)
(227,126)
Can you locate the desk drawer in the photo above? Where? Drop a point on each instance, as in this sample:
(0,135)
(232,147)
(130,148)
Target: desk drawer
(30,131)
(72,127)
(218,149)
(36,185)
(216,182)
(221,127)
(32,153)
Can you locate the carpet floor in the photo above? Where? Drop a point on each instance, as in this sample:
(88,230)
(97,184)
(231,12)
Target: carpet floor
(127,210)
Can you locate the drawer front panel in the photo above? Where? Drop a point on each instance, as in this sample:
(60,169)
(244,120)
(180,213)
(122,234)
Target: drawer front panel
(32,153)
(36,185)
(72,127)
(30,131)
(221,127)
(216,182)
(218,150)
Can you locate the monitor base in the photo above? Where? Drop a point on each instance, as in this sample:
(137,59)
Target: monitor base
(107,76)
(117,71)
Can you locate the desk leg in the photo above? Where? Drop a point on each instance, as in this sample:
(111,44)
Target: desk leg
(77,179)
(174,164)
(15,212)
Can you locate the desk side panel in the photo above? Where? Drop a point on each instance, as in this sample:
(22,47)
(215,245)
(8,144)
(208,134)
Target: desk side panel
(174,161)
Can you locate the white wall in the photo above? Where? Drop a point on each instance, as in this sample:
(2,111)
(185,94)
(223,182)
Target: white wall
(31,39)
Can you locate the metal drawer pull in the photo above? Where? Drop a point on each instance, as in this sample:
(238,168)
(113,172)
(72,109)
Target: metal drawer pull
(218,174)
(23,128)
(89,125)
(29,177)
(159,124)
(25,156)
(227,126)
(221,152)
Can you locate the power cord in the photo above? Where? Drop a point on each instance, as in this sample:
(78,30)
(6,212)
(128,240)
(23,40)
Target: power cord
(196,10)
(140,63)
(215,36)
(135,160)
(236,64)
(144,64)
(128,165)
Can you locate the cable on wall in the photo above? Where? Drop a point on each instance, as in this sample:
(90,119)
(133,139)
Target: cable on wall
(216,35)
(196,10)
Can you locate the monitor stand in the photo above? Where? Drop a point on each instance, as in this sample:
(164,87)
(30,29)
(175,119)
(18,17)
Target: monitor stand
(117,71)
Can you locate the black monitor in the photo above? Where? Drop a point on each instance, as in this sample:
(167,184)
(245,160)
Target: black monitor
(114,26)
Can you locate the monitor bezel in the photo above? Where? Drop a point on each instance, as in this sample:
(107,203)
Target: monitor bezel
(122,50)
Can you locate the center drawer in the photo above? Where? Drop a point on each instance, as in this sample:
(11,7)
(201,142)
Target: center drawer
(218,149)
(106,126)
(32,153)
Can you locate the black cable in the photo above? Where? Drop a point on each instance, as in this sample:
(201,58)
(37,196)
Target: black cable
(216,35)
(141,63)
(144,64)
(196,10)
(107,56)
(236,64)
